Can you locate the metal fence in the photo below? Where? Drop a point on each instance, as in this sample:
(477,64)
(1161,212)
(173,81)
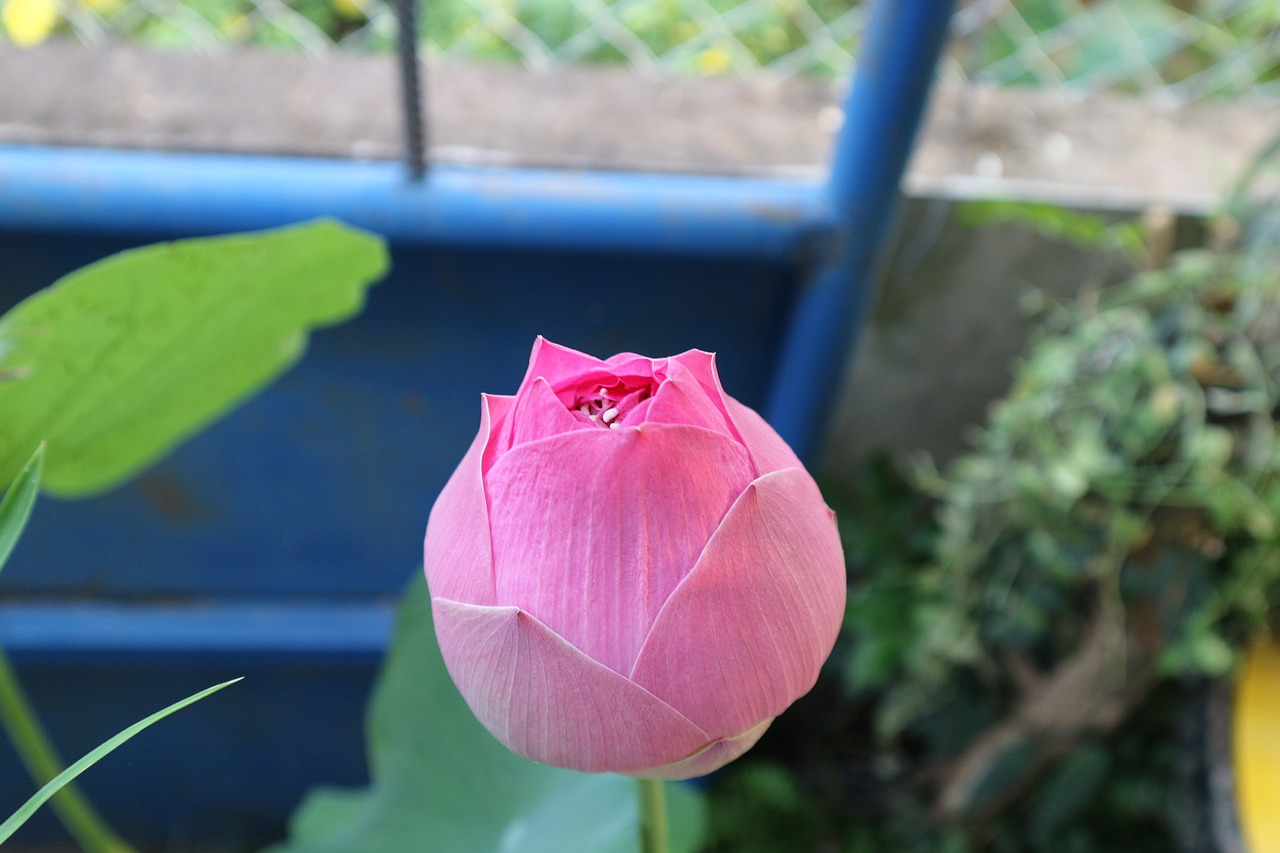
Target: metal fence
(1181,50)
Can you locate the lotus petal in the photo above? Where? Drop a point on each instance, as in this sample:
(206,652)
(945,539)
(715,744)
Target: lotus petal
(593,529)
(768,450)
(457,551)
(548,701)
(747,630)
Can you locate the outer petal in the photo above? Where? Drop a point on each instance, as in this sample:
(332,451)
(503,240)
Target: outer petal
(592,530)
(768,450)
(745,634)
(547,701)
(457,553)
(710,758)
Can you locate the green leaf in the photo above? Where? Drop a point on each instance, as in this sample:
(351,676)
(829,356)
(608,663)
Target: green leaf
(1067,792)
(118,362)
(17,503)
(441,782)
(27,809)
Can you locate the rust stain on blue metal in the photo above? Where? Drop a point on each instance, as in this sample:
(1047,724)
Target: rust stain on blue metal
(172,499)
(783,214)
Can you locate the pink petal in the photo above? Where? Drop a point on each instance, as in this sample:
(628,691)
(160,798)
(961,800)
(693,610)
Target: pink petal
(539,413)
(556,363)
(702,366)
(630,364)
(495,425)
(593,529)
(569,372)
(709,758)
(746,632)
(681,399)
(768,450)
(457,552)
(547,701)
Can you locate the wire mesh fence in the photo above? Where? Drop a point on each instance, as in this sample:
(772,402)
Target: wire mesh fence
(1181,50)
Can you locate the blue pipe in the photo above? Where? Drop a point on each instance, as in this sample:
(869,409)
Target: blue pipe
(172,195)
(83,632)
(882,115)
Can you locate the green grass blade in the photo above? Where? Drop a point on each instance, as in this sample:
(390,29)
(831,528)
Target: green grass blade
(19,721)
(17,503)
(29,807)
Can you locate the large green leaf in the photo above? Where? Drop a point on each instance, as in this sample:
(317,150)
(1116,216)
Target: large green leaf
(119,361)
(442,783)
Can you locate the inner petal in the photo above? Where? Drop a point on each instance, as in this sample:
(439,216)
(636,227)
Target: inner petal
(608,401)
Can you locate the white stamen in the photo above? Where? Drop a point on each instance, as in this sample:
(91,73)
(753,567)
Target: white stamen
(613,425)
(609,414)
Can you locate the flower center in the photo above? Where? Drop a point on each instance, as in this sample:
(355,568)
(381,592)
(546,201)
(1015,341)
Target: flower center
(607,406)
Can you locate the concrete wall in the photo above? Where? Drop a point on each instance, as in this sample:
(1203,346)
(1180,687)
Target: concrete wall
(949,319)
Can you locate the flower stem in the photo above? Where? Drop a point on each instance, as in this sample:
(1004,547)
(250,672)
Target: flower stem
(654,837)
(28,737)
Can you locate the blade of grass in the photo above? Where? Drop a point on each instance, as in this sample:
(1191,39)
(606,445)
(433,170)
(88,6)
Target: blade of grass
(17,503)
(17,717)
(35,749)
(28,808)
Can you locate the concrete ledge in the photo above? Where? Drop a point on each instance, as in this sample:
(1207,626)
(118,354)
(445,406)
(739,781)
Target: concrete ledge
(265,102)
(1101,152)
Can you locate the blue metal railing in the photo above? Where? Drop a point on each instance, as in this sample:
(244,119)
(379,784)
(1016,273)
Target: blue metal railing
(882,115)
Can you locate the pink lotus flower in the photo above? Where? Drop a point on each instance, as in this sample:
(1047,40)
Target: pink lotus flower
(629,570)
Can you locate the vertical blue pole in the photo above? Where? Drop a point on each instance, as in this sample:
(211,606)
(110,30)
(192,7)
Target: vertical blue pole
(882,114)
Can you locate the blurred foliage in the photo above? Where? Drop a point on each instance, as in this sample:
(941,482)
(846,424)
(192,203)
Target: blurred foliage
(1127,43)
(1125,236)
(1025,628)
(1140,416)
(1207,46)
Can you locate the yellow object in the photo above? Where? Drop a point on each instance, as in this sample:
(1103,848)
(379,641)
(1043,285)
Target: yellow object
(713,60)
(236,27)
(29,22)
(104,7)
(349,9)
(1255,748)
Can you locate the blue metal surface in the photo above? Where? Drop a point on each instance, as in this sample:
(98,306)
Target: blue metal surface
(221,775)
(321,486)
(225,771)
(890,89)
